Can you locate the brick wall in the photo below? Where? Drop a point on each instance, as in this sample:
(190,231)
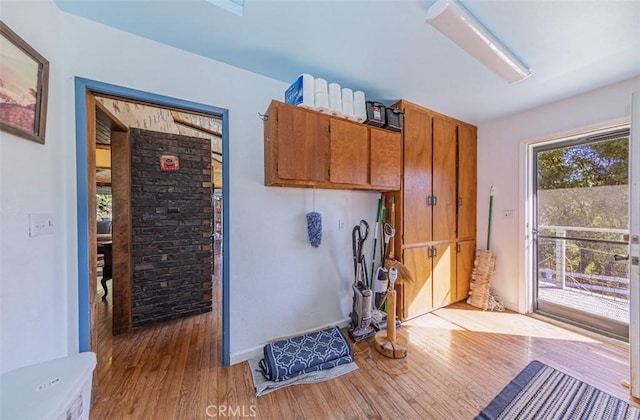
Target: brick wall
(171,234)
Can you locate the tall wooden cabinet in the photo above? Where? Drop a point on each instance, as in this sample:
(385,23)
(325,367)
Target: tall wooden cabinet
(467,170)
(465,254)
(435,209)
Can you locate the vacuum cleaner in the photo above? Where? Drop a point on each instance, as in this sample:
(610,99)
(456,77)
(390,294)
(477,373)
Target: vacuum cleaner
(360,327)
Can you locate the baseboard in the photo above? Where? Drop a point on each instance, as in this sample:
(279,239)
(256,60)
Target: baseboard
(511,306)
(247,354)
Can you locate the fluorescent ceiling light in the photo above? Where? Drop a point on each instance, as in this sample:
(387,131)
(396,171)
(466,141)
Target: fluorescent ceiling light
(455,22)
(233,6)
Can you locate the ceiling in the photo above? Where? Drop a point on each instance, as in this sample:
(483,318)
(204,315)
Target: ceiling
(385,48)
(164,120)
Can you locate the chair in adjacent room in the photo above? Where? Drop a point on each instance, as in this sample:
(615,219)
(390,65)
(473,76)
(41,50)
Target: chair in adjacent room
(106,269)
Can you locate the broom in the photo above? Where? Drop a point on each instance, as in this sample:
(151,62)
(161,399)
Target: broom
(404,278)
(484,267)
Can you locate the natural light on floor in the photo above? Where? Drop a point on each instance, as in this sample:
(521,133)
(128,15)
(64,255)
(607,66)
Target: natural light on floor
(494,323)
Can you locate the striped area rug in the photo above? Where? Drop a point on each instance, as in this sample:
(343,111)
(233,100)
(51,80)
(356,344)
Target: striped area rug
(542,392)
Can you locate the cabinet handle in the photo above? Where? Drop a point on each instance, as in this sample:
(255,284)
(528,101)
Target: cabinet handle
(432,252)
(429,200)
(459,201)
(458,248)
(435,200)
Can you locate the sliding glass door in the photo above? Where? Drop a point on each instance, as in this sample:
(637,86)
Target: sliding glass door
(581,228)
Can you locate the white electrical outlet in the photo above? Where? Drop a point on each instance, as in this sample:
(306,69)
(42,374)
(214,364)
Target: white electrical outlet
(340,225)
(40,224)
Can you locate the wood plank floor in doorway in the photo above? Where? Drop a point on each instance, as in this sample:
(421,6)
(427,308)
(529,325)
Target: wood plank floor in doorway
(459,359)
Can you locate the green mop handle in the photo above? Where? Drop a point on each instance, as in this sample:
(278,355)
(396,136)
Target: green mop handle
(490,212)
(375,238)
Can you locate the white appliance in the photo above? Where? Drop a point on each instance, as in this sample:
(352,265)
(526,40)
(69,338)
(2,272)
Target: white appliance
(57,389)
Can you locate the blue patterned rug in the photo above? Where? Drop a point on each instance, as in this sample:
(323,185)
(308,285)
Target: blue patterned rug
(264,386)
(319,350)
(542,392)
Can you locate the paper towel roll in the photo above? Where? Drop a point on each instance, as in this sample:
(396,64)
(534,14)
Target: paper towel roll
(308,91)
(321,95)
(301,92)
(335,99)
(347,103)
(359,106)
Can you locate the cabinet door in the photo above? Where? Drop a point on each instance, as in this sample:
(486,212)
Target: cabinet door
(417,176)
(349,153)
(418,296)
(444,179)
(467,169)
(302,144)
(444,275)
(386,151)
(270,138)
(466,251)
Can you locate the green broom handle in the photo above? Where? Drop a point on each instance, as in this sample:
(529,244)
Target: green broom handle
(490,212)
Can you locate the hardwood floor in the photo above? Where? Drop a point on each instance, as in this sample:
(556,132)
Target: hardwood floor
(459,359)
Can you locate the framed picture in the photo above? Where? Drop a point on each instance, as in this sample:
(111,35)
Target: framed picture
(24,80)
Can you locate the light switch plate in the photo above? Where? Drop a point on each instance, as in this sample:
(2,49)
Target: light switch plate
(40,224)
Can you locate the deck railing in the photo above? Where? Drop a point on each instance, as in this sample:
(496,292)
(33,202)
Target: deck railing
(584,259)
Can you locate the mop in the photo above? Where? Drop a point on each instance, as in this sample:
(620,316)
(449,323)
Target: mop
(402,274)
(375,237)
(381,281)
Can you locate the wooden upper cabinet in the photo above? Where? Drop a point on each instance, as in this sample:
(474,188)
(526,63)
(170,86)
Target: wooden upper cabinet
(302,145)
(349,153)
(305,148)
(444,179)
(386,159)
(467,169)
(417,176)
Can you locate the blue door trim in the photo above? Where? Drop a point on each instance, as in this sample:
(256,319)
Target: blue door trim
(82,87)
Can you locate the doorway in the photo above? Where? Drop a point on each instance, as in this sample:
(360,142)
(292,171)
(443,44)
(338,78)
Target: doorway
(85,161)
(581,227)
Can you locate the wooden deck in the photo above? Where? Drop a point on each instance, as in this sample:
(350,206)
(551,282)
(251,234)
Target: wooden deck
(459,359)
(613,308)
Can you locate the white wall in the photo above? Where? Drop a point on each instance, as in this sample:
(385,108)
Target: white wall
(34,278)
(280,285)
(500,164)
